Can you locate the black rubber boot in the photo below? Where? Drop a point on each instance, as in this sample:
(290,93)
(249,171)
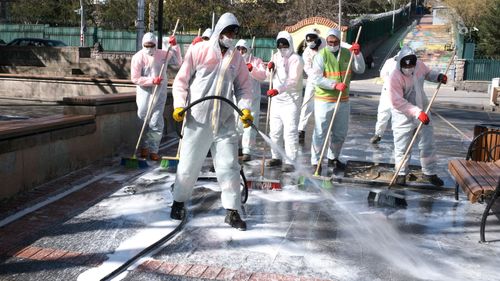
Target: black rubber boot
(401,180)
(273,163)
(375,139)
(302,136)
(287,168)
(314,167)
(178,212)
(433,179)
(336,164)
(234,220)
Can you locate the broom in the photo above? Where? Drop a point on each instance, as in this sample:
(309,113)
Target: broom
(326,182)
(133,161)
(387,197)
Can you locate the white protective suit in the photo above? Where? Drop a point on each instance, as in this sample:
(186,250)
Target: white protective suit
(257,75)
(384,104)
(284,115)
(211,124)
(323,109)
(307,106)
(144,68)
(408,100)
(207,33)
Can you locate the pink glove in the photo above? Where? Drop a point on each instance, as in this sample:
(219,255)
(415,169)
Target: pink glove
(250,67)
(424,118)
(157,80)
(340,86)
(270,65)
(197,39)
(172,41)
(272,92)
(355,48)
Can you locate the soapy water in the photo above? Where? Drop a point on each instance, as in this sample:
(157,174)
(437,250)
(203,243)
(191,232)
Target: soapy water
(376,235)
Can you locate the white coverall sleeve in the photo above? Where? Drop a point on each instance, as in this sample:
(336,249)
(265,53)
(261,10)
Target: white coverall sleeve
(430,75)
(174,56)
(243,86)
(136,72)
(396,92)
(180,88)
(308,61)
(259,70)
(317,74)
(358,65)
(295,68)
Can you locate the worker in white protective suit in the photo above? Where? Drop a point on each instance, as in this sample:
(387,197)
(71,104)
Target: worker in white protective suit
(314,44)
(257,71)
(212,68)
(406,90)
(329,71)
(204,37)
(384,104)
(286,98)
(145,73)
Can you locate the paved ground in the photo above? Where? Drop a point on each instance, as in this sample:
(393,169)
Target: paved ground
(299,233)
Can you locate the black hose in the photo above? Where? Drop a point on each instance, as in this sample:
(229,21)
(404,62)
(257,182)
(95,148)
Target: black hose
(228,101)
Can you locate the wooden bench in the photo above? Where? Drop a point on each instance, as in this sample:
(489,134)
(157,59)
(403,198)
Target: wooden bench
(479,180)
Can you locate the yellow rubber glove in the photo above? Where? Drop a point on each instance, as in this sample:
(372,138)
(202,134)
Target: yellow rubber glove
(246,118)
(177,115)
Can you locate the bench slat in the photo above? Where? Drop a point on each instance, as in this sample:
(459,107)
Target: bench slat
(475,178)
(478,170)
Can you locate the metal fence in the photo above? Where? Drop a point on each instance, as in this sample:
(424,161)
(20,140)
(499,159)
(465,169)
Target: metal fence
(481,69)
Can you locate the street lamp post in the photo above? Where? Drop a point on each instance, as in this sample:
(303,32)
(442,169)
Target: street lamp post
(393,14)
(139,24)
(82,25)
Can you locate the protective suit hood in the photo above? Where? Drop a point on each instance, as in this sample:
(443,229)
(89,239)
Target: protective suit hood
(207,33)
(224,21)
(335,32)
(242,43)
(288,37)
(149,38)
(405,51)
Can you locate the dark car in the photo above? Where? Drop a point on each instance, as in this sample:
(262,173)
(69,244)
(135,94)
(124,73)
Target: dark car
(37,42)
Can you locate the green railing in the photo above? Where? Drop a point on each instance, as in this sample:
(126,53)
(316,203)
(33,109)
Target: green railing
(482,69)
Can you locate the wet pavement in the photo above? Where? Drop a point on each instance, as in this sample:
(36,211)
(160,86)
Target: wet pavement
(82,226)
(299,233)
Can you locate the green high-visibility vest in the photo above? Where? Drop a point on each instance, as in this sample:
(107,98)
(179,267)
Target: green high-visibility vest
(335,71)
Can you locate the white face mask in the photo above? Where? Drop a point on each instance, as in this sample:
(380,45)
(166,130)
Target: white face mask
(226,41)
(150,50)
(408,71)
(333,49)
(311,45)
(285,52)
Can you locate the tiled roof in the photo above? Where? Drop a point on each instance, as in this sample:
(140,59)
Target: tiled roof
(314,20)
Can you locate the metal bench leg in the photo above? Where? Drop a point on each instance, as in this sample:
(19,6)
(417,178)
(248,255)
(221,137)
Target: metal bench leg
(456,191)
(486,212)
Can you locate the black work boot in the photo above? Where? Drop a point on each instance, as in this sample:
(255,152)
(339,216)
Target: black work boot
(302,136)
(178,212)
(246,157)
(433,179)
(273,163)
(234,220)
(287,168)
(401,180)
(375,139)
(336,164)
(315,167)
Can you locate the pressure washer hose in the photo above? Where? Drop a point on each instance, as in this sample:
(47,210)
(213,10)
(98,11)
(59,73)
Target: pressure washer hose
(228,101)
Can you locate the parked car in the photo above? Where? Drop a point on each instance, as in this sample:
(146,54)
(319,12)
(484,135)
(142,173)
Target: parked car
(37,42)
